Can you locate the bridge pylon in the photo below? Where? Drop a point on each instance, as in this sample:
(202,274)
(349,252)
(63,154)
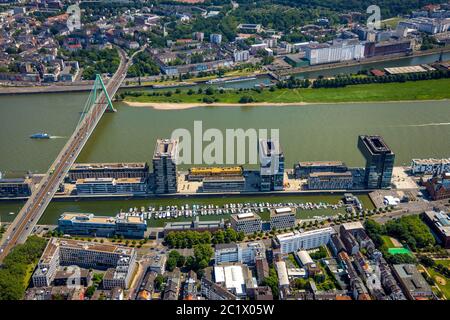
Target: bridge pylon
(99,85)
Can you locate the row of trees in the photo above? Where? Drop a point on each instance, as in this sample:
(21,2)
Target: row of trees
(343,81)
(189,239)
(16,265)
(143,65)
(200,260)
(96,61)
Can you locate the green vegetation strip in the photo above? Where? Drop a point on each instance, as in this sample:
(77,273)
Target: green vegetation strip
(18,267)
(399,251)
(414,90)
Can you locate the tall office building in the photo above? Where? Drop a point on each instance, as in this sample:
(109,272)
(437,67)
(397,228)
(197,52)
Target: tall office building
(379,161)
(271,171)
(165,166)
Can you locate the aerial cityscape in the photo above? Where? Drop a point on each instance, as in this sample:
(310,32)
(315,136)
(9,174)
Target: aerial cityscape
(204,150)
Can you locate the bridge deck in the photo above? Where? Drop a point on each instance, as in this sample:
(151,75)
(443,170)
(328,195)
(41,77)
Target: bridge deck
(33,209)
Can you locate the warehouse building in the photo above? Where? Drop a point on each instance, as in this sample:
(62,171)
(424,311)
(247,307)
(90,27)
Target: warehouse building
(108,170)
(111,186)
(302,170)
(330,181)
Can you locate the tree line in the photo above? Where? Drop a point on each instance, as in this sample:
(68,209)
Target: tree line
(343,81)
(16,265)
(189,239)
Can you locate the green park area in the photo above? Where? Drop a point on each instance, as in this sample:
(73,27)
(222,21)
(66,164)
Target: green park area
(396,91)
(440,276)
(18,267)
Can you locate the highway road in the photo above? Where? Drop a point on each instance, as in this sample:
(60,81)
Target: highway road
(33,209)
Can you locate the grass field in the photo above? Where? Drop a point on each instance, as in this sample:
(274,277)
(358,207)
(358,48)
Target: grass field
(444,262)
(392,22)
(413,90)
(445,288)
(388,242)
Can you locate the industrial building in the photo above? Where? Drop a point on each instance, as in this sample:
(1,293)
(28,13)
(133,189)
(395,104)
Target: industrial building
(165,166)
(117,260)
(302,170)
(379,161)
(325,53)
(383,48)
(330,181)
(235,278)
(271,165)
(246,222)
(102,226)
(425,24)
(439,222)
(223,184)
(199,173)
(111,186)
(108,170)
(282,218)
(294,241)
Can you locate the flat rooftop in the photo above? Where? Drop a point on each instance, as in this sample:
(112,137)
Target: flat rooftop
(109,180)
(431,161)
(224,179)
(245,216)
(111,165)
(330,174)
(375,144)
(321,163)
(86,218)
(269,146)
(287,211)
(54,243)
(292,235)
(165,148)
(441,220)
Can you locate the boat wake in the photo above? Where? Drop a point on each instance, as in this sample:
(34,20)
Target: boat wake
(57,137)
(433,124)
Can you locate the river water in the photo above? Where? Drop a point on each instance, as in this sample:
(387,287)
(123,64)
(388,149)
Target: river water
(313,132)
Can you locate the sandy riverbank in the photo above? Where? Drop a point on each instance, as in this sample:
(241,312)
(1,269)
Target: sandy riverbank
(181,106)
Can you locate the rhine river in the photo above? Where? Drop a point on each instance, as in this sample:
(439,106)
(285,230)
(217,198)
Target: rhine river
(312,132)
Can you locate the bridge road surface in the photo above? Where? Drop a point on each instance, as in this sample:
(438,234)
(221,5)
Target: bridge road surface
(31,212)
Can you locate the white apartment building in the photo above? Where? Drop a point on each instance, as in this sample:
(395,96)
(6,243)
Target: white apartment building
(428,25)
(245,253)
(120,261)
(430,166)
(241,55)
(294,241)
(254,48)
